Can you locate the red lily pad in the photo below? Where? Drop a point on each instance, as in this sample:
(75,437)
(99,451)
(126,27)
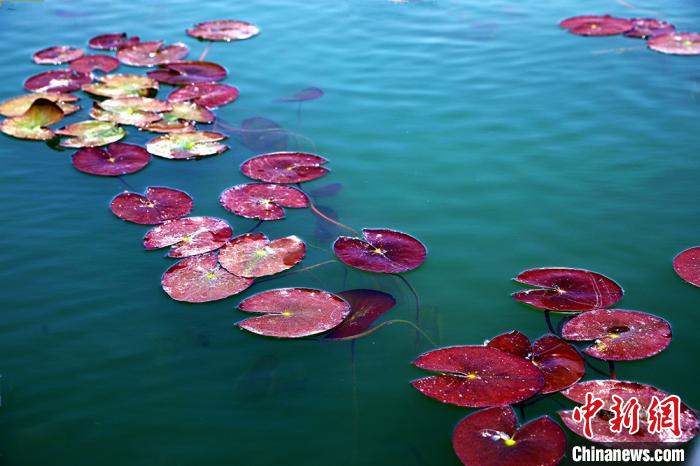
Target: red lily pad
(254,255)
(91,133)
(210,95)
(224,30)
(366,306)
(170,126)
(136,111)
(491,437)
(183,73)
(575,21)
(619,335)
(56,81)
(608,27)
(649,27)
(560,363)
(156,206)
(310,93)
(605,389)
(191,145)
(152,53)
(201,279)
(114,160)
(112,41)
(122,85)
(382,251)
(687,265)
(57,55)
(514,342)
(262,135)
(89,63)
(293,312)
(18,106)
(567,290)
(181,118)
(477,376)
(262,201)
(676,43)
(189,236)
(285,167)
(33,123)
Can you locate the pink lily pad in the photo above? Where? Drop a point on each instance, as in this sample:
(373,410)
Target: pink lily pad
(170,126)
(477,376)
(57,55)
(567,290)
(293,312)
(89,63)
(224,30)
(112,41)
(285,167)
(491,437)
(254,255)
(184,73)
(382,251)
(181,118)
(649,27)
(608,27)
(137,111)
(191,145)
(56,81)
(152,53)
(33,123)
(575,21)
(210,95)
(122,85)
(366,307)
(514,342)
(201,279)
(619,335)
(114,160)
(310,93)
(262,201)
(156,206)
(18,106)
(687,265)
(90,133)
(676,43)
(189,236)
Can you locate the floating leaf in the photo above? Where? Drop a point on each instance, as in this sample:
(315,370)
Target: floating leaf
(285,167)
(262,135)
(122,85)
(112,41)
(114,160)
(477,376)
(224,30)
(183,73)
(514,342)
(189,236)
(619,335)
(156,206)
(91,133)
(56,81)
(567,290)
(136,111)
(310,93)
(187,112)
(152,53)
(366,307)
(605,25)
(262,201)
(254,255)
(200,279)
(57,55)
(293,312)
(170,126)
(33,123)
(490,437)
(17,106)
(687,265)
(676,43)
(560,363)
(382,251)
(195,144)
(210,95)
(90,63)
(649,27)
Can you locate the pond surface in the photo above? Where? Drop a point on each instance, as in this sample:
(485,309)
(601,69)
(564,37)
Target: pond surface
(499,140)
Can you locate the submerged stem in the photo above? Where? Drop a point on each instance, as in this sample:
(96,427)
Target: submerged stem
(386,324)
(255,227)
(126,183)
(204,54)
(588,363)
(304,269)
(611,365)
(548,318)
(325,217)
(416,299)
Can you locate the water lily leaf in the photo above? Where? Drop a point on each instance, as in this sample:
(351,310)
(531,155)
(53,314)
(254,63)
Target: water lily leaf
(17,106)
(309,93)
(170,126)
(477,376)
(33,123)
(262,201)
(195,144)
(560,363)
(619,335)
(56,81)
(366,306)
(201,279)
(382,251)
(210,95)
(254,255)
(114,160)
(649,27)
(285,167)
(676,43)
(137,111)
(57,55)
(122,85)
(596,25)
(293,312)
(262,135)
(189,236)
(91,133)
(90,63)
(157,205)
(567,290)
(112,41)
(188,111)
(514,342)
(687,265)
(491,437)
(183,73)
(152,53)
(224,30)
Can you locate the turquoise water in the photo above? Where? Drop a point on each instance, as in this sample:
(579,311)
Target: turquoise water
(500,141)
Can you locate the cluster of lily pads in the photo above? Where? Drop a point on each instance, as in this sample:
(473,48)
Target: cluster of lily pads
(510,369)
(661,35)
